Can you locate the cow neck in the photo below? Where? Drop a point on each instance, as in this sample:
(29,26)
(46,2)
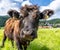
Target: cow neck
(15,18)
(20,23)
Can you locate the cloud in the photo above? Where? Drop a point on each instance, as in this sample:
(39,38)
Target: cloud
(27,2)
(54,5)
(19,0)
(6,5)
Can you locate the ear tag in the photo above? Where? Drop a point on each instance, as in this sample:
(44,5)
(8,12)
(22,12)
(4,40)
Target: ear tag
(46,17)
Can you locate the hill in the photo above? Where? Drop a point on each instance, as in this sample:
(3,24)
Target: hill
(42,22)
(3,20)
(54,21)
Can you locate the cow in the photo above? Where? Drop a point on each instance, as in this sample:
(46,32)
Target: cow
(22,27)
(28,29)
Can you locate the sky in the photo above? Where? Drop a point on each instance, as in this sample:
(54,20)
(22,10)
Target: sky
(6,5)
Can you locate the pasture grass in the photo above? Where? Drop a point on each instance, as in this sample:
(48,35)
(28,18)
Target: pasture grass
(48,39)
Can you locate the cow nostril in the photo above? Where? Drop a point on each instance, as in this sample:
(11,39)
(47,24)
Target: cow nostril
(27,30)
(22,33)
(26,26)
(32,34)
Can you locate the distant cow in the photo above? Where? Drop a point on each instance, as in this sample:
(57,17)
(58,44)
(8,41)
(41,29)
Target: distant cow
(22,30)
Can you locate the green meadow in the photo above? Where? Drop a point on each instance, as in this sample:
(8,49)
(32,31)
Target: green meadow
(48,39)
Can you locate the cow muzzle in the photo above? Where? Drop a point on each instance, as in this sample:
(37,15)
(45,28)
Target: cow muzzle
(28,34)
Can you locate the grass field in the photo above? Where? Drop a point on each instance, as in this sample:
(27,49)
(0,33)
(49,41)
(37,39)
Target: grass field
(48,39)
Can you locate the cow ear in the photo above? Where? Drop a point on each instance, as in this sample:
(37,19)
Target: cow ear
(48,12)
(13,13)
(10,13)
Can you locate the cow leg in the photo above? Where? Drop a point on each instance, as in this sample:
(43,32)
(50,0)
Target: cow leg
(26,44)
(3,41)
(25,47)
(12,42)
(19,46)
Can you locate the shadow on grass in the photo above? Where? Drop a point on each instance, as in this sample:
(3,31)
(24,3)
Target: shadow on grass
(36,46)
(44,48)
(30,47)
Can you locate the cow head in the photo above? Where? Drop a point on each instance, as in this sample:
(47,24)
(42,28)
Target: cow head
(29,25)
